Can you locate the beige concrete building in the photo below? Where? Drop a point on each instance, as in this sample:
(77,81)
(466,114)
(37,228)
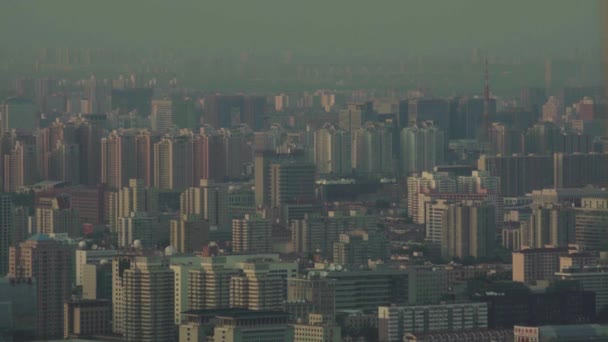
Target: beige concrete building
(97,280)
(209,201)
(316,330)
(148,300)
(181,270)
(192,332)
(91,256)
(246,281)
(532,265)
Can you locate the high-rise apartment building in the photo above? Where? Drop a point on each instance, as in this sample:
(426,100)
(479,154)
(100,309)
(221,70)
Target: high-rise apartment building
(290,180)
(46,261)
(332,150)
(163,164)
(89,133)
(6,231)
(118,162)
(549,225)
(251,234)
(519,174)
(210,159)
(281,102)
(210,202)
(466,114)
(138,226)
(468,230)
(148,300)
(189,234)
(20,114)
(435,110)
(238,150)
(422,147)
(91,256)
(372,150)
(173,162)
(55,215)
(425,183)
(318,233)
(20,166)
(144,150)
(253,111)
(355,115)
(580,169)
(256,288)
(505,140)
(255,281)
(591,221)
(65,163)
(228,110)
(136,197)
(431,186)
(433,219)
(161,118)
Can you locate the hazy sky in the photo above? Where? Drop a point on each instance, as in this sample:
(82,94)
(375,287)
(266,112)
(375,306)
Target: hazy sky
(422,26)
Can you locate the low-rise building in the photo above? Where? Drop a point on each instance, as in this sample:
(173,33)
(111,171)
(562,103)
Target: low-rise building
(396,321)
(590,278)
(87,318)
(561,333)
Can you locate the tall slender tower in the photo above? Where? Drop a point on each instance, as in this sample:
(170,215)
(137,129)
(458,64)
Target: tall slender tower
(486,105)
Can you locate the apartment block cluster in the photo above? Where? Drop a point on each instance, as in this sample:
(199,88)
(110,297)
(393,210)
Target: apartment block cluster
(136,212)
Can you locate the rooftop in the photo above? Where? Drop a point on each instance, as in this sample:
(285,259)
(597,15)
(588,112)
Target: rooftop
(39,237)
(235,313)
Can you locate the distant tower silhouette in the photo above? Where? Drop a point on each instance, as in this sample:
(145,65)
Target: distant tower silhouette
(486,105)
(548,74)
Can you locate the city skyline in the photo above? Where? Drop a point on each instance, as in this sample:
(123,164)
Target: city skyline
(277,171)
